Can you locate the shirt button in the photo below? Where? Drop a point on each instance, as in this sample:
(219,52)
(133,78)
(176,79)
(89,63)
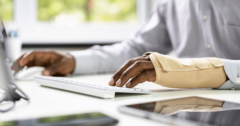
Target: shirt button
(205,17)
(238,80)
(209,46)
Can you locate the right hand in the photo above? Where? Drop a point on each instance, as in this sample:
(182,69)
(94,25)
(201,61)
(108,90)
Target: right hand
(55,63)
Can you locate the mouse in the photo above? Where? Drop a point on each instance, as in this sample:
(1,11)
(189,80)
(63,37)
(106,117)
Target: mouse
(29,73)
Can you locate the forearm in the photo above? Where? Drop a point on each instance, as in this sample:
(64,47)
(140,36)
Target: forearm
(99,59)
(188,73)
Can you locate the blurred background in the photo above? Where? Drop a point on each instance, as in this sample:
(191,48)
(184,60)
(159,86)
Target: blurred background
(71,22)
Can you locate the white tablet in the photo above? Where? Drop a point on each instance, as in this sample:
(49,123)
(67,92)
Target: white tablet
(187,111)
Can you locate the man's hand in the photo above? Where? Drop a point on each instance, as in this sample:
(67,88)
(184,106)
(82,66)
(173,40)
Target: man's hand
(54,62)
(140,69)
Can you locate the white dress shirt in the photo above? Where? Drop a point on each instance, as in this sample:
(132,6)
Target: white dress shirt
(192,28)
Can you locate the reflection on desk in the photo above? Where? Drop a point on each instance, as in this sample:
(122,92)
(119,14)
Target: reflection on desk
(47,102)
(197,109)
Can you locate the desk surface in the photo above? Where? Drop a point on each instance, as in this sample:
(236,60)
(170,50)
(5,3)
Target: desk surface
(49,102)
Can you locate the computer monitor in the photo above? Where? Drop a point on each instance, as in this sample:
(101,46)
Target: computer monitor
(4,75)
(11,91)
(1,35)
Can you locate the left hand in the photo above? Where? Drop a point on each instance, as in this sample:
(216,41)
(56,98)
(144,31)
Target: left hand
(141,69)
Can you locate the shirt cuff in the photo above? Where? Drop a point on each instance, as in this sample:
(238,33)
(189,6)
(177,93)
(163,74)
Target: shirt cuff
(232,70)
(84,61)
(230,106)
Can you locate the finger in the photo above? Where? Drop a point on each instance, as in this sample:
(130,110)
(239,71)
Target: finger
(52,70)
(148,75)
(16,71)
(134,70)
(40,58)
(28,57)
(19,68)
(128,63)
(16,64)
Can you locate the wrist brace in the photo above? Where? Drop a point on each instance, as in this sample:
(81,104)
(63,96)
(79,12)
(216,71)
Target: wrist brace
(187,73)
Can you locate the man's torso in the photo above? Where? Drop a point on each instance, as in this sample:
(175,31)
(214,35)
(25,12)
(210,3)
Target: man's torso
(204,28)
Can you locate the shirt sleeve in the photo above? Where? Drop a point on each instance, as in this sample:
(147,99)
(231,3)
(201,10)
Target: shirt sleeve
(232,70)
(151,37)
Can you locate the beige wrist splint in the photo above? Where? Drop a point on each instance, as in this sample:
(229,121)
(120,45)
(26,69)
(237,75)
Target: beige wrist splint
(187,73)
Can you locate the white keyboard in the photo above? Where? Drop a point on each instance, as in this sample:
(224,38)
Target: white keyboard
(86,88)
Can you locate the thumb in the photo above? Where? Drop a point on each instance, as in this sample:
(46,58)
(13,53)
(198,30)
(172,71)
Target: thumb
(51,70)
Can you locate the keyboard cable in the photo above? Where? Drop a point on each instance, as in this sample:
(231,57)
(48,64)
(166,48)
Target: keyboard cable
(12,93)
(4,98)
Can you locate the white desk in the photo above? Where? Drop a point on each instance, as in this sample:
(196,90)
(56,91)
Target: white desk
(47,101)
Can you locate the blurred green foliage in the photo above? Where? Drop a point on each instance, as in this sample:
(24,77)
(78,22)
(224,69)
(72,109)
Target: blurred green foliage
(6,10)
(88,10)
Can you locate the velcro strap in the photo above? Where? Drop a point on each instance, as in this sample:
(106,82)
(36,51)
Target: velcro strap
(216,62)
(201,63)
(163,60)
(186,62)
(169,63)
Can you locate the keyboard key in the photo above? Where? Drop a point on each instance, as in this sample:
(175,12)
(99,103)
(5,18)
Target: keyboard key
(137,89)
(130,89)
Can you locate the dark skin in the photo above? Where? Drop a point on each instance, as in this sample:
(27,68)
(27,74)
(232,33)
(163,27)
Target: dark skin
(140,69)
(55,63)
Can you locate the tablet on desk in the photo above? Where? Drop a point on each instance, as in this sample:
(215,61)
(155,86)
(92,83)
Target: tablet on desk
(188,111)
(85,119)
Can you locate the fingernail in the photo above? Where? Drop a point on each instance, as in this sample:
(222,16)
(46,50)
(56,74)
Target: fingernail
(118,82)
(46,72)
(128,84)
(111,82)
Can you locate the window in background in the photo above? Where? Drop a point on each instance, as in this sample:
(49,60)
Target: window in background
(6,10)
(74,21)
(77,11)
